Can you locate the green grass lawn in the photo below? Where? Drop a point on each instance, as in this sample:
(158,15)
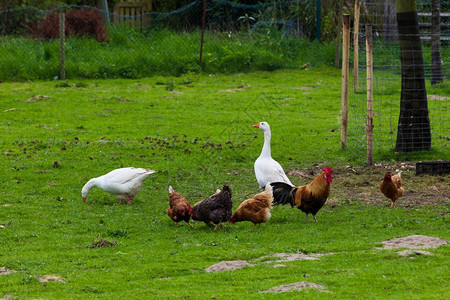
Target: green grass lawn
(195,131)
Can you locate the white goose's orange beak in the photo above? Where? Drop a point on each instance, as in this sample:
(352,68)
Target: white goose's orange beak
(84,199)
(256,125)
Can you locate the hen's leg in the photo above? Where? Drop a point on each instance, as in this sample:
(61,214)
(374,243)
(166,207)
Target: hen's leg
(218,226)
(306,217)
(315,220)
(128,199)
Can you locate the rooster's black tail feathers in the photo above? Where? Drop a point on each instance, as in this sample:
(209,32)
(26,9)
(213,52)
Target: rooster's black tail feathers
(283,193)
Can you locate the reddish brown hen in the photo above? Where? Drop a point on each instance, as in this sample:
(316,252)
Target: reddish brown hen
(308,198)
(180,209)
(256,209)
(391,186)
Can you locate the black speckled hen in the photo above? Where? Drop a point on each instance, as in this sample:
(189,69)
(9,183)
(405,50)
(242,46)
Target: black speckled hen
(216,209)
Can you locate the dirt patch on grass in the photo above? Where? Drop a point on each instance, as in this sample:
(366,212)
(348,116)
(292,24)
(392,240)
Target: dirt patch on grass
(5,271)
(50,278)
(36,98)
(284,257)
(230,265)
(298,286)
(414,242)
(102,243)
(439,98)
(413,253)
(270,258)
(361,184)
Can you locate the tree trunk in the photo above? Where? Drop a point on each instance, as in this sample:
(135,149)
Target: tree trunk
(413,124)
(436,63)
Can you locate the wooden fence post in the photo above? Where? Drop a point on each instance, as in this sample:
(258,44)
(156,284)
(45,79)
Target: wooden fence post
(344,79)
(339,36)
(356,47)
(62,48)
(369,63)
(203,33)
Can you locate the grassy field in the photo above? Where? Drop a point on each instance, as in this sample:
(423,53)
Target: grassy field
(195,131)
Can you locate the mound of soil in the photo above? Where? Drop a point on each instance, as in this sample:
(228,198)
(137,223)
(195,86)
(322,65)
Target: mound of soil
(274,258)
(228,266)
(414,242)
(295,286)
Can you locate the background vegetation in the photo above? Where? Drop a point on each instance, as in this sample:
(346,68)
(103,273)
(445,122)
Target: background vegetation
(131,54)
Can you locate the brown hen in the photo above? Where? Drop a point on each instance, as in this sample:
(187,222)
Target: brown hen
(391,186)
(256,209)
(180,209)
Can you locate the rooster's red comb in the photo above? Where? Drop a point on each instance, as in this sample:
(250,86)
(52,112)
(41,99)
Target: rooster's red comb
(327,170)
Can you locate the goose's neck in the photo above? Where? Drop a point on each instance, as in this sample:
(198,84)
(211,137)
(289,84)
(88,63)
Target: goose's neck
(266,147)
(88,186)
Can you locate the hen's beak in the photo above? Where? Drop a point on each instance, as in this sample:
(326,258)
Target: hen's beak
(84,199)
(256,125)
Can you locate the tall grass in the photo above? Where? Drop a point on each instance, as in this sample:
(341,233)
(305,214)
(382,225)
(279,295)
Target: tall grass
(129,53)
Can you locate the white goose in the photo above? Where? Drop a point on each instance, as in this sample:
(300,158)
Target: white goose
(268,170)
(125,183)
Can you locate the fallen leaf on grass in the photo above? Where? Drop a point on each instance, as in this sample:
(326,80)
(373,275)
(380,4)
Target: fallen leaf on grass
(5,225)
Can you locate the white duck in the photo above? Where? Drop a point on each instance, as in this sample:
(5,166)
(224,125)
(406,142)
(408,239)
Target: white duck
(268,170)
(125,183)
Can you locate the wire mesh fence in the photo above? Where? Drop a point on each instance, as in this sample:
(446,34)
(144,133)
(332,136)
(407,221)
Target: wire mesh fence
(387,83)
(266,36)
(129,42)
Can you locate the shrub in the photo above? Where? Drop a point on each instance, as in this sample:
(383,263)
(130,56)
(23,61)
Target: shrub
(79,22)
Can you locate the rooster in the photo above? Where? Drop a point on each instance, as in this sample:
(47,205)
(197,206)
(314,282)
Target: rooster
(180,209)
(308,198)
(215,209)
(391,186)
(256,209)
